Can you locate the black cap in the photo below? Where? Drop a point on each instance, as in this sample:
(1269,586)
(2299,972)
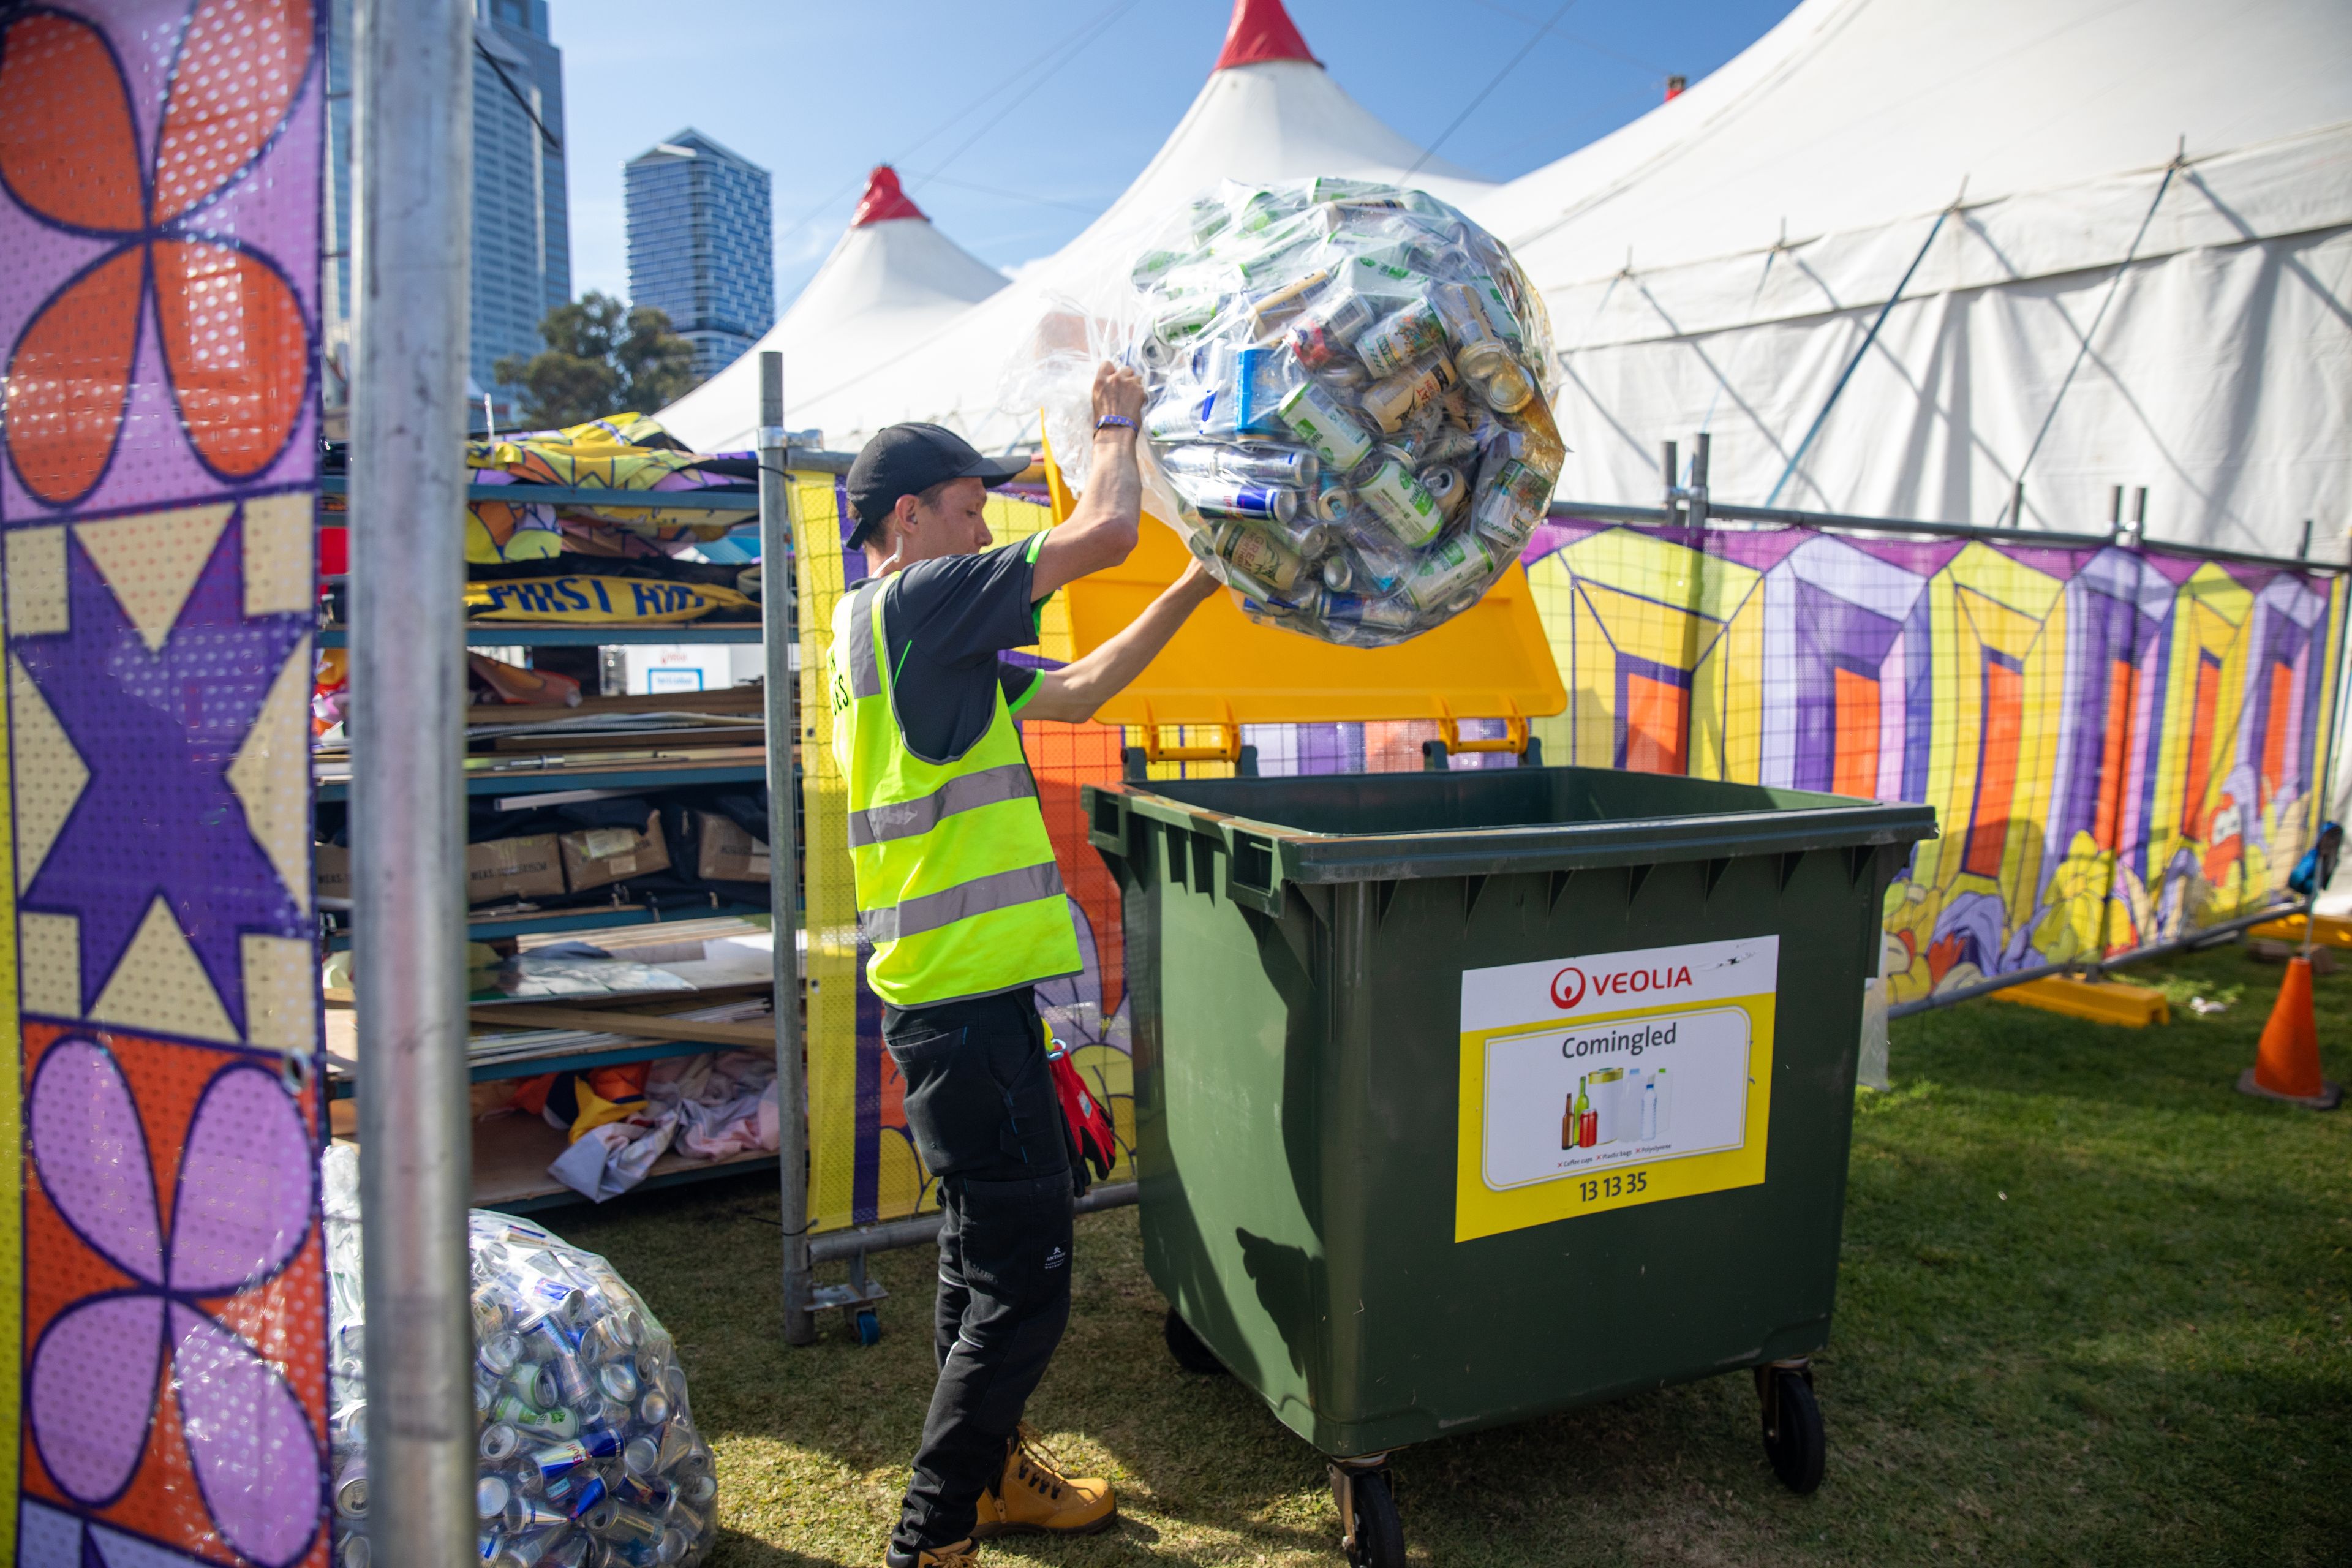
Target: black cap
(907,459)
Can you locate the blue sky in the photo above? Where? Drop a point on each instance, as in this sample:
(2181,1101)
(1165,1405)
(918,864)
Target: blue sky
(1013,125)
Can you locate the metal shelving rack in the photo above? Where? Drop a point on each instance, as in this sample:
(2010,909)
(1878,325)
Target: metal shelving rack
(513,1177)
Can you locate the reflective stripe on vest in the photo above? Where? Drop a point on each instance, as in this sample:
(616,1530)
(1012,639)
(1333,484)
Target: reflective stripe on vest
(957,888)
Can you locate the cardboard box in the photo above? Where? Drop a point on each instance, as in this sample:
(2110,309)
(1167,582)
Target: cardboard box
(501,870)
(513,868)
(725,853)
(333,879)
(602,855)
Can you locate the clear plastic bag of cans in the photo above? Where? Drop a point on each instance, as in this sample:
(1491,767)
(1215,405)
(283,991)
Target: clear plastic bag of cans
(1347,400)
(588,1455)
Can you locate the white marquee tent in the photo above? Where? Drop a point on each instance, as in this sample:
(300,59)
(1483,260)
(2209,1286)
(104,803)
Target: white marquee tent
(1717,264)
(1268,111)
(892,280)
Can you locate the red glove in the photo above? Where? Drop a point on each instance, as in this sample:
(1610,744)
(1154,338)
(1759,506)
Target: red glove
(1083,1113)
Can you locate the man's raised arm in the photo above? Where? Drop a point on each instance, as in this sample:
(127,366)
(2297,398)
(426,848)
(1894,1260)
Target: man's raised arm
(1102,529)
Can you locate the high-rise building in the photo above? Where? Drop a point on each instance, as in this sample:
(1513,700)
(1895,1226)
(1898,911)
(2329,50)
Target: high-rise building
(701,245)
(522,222)
(522,225)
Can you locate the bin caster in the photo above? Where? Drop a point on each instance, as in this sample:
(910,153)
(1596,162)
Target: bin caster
(1793,1439)
(1371,1533)
(1186,1347)
(869,1326)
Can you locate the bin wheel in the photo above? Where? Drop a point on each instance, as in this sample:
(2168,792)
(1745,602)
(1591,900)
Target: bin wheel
(1793,1439)
(869,1326)
(1186,1347)
(1379,1539)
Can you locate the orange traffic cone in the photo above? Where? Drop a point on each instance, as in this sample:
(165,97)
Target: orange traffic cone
(2286,1064)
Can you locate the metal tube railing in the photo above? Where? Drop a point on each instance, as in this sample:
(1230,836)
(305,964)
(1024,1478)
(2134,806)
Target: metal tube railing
(411,253)
(2203,936)
(1612,511)
(923,1229)
(779,588)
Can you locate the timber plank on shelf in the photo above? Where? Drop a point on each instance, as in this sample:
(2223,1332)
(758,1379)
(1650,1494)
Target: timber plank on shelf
(616,1021)
(602,918)
(636,776)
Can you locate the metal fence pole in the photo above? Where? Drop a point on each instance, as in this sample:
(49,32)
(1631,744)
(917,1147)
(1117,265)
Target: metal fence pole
(779,587)
(415,109)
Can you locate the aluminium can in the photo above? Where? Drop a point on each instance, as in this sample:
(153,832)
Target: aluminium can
(1318,418)
(1395,399)
(1507,388)
(1326,335)
(1402,504)
(1391,344)
(1245,548)
(1455,565)
(352,1489)
(1446,486)
(1224,498)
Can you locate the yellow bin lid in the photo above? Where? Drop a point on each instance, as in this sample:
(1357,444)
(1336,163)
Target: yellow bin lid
(1492,661)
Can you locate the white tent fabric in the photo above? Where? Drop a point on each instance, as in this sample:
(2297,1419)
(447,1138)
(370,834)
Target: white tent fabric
(1263,120)
(1715,266)
(892,280)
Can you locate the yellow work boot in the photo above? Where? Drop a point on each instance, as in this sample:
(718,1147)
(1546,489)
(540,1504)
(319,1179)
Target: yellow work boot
(962,1554)
(1032,1494)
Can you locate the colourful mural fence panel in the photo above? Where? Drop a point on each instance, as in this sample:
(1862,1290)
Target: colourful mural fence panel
(2121,745)
(165,1395)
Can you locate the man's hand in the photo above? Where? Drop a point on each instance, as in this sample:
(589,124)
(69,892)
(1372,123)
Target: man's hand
(1117,390)
(1101,530)
(1196,587)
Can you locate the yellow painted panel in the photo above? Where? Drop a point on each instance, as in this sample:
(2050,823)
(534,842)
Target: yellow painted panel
(830,888)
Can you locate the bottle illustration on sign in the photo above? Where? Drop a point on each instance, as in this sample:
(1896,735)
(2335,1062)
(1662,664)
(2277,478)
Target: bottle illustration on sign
(1618,1105)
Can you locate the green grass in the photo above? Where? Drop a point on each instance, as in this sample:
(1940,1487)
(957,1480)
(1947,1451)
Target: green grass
(2093,1308)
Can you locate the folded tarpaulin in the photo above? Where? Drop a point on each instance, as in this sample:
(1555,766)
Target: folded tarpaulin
(629,455)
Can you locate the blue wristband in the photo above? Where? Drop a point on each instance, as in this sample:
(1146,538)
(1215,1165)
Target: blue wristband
(1109,420)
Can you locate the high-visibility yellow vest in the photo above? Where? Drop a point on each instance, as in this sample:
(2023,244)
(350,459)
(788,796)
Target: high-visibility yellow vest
(957,888)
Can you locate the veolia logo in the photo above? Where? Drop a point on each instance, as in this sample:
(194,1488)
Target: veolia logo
(1570,986)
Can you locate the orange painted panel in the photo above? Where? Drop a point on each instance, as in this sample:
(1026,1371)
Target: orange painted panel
(1657,725)
(1855,762)
(2004,725)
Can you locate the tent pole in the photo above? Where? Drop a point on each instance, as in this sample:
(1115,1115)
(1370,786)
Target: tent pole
(414,164)
(2083,350)
(779,588)
(1854,364)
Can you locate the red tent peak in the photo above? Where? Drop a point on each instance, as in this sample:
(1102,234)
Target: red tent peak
(884,200)
(1262,30)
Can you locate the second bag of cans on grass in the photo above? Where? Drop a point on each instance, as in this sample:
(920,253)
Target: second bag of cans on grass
(1347,397)
(589,1457)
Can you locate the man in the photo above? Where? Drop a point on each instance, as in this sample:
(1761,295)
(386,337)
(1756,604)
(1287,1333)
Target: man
(958,892)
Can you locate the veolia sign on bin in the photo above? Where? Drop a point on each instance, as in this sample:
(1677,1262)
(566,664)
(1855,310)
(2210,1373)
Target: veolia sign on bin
(1612,1079)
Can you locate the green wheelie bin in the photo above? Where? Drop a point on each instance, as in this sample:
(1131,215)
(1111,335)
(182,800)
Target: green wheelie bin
(1463,1098)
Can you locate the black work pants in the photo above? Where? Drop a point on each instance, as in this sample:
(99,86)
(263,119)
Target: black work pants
(980,1103)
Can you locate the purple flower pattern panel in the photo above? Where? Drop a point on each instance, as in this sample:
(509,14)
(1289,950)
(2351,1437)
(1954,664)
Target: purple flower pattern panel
(242,1209)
